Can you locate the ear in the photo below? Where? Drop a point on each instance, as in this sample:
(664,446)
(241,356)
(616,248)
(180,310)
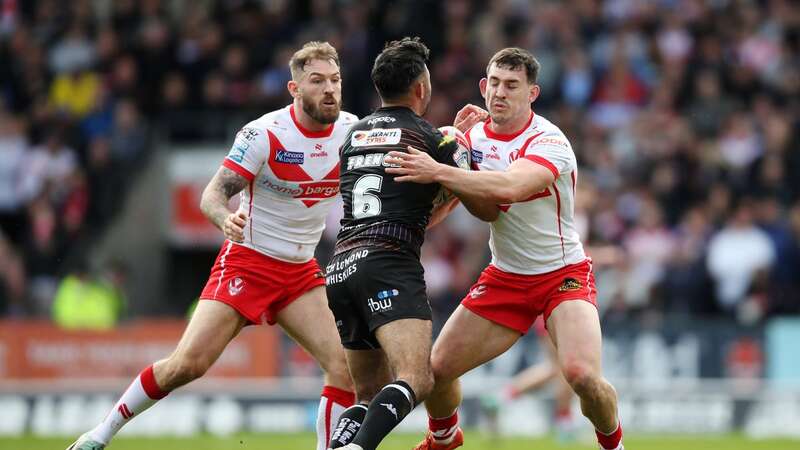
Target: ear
(482,85)
(534,93)
(419,90)
(294,88)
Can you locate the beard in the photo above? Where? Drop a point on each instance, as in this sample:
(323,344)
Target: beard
(316,112)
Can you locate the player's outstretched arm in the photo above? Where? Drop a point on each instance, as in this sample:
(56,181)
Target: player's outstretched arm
(214,203)
(520,181)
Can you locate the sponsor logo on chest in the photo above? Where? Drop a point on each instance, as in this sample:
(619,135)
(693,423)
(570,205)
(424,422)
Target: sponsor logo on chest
(302,190)
(377,136)
(319,152)
(287,157)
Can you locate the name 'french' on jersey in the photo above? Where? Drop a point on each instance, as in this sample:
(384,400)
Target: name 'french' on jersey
(537,235)
(294,179)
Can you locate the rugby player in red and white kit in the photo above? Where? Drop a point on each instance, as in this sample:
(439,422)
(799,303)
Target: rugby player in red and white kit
(286,166)
(526,166)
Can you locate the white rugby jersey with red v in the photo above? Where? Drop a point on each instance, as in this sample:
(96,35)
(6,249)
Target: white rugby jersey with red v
(294,175)
(537,235)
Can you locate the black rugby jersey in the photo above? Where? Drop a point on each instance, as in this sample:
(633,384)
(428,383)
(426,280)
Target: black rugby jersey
(377,210)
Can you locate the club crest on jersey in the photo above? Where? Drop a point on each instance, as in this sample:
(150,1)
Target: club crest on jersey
(477,156)
(287,157)
(377,136)
(477,291)
(235,286)
(570,284)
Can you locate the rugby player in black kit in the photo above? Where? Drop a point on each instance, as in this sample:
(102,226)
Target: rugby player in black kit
(375,281)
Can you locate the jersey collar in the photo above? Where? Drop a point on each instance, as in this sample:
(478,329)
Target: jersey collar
(505,137)
(305,131)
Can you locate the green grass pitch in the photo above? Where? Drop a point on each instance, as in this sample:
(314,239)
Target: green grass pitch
(474,441)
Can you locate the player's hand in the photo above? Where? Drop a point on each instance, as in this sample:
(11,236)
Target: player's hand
(233,227)
(468,116)
(414,166)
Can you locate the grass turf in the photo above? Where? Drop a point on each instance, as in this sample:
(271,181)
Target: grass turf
(306,441)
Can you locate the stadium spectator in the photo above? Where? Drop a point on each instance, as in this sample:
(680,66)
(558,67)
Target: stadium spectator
(13,147)
(689,108)
(85,302)
(738,255)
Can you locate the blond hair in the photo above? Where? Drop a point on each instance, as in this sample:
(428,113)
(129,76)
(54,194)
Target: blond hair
(311,51)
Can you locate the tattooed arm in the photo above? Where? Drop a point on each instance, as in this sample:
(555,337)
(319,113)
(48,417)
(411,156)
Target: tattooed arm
(214,203)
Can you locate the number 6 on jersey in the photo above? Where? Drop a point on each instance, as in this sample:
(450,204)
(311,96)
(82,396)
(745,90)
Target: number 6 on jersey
(366,204)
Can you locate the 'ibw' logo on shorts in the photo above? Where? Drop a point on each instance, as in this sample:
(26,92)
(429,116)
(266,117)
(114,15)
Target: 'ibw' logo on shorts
(384,301)
(379,305)
(477,291)
(235,286)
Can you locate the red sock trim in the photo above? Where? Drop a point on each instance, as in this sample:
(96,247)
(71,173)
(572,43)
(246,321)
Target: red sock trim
(610,441)
(150,386)
(443,424)
(340,396)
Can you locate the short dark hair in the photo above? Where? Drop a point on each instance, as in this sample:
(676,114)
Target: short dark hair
(514,58)
(399,64)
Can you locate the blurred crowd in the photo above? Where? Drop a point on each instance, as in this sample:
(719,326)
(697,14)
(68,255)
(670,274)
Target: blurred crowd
(684,114)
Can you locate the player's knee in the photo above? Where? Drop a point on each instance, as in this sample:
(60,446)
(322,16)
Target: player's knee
(441,368)
(581,377)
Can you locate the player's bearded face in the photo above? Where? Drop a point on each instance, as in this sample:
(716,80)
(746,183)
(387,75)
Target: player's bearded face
(507,94)
(321,91)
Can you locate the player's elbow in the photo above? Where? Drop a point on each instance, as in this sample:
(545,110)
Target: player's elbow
(505,195)
(206,201)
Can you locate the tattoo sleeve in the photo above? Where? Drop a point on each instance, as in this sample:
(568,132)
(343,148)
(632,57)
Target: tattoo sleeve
(214,203)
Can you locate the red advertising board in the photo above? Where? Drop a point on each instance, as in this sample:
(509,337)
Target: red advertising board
(40,350)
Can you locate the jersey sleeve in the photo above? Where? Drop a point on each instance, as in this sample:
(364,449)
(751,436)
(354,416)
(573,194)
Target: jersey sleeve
(248,152)
(553,152)
(441,148)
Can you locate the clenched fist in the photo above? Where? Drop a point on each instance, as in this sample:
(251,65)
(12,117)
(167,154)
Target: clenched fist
(233,227)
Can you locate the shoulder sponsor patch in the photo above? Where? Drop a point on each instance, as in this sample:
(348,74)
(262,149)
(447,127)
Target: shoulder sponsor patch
(377,136)
(287,157)
(238,150)
(462,158)
(247,134)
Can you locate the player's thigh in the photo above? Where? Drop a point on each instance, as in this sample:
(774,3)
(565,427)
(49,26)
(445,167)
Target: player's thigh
(212,326)
(310,322)
(467,341)
(574,326)
(407,344)
(370,372)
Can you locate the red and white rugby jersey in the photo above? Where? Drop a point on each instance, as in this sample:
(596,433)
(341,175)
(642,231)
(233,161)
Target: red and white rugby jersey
(294,179)
(537,235)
